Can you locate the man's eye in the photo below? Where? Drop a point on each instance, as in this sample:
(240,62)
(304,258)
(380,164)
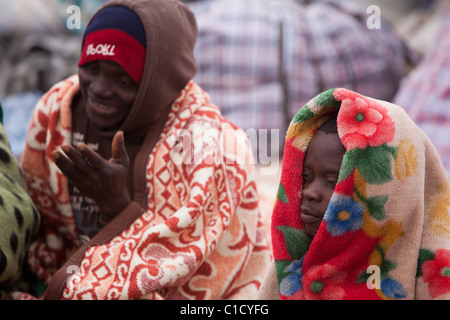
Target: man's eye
(125,82)
(91,67)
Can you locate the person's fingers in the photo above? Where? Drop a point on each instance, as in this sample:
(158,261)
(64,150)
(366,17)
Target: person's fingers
(93,158)
(82,169)
(118,149)
(67,167)
(77,159)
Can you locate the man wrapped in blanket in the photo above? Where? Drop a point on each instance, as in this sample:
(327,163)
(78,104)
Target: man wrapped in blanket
(363,209)
(145,190)
(19,219)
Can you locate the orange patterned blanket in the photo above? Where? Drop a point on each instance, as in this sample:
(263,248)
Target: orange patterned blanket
(199,236)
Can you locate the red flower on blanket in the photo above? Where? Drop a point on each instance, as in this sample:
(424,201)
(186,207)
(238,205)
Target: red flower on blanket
(362,122)
(324,282)
(437,273)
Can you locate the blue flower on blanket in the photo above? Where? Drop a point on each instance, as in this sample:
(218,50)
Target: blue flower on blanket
(293,281)
(343,215)
(393,289)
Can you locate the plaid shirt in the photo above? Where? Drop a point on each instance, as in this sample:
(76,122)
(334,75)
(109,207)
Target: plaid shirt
(425,93)
(262,60)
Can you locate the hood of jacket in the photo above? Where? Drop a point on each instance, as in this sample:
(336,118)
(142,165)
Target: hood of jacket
(171,32)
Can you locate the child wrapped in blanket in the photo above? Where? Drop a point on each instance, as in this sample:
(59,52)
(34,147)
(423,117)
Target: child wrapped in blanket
(362,210)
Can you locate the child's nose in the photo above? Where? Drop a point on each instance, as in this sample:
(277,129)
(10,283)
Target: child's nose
(312,191)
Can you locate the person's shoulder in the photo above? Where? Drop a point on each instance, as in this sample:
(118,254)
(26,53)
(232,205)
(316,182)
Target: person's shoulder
(60,89)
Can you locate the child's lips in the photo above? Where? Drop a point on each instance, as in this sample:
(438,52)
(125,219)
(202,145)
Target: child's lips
(309,216)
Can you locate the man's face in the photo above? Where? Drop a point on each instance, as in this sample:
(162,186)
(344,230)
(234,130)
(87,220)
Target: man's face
(108,93)
(320,174)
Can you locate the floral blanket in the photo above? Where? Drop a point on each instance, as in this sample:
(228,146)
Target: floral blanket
(386,232)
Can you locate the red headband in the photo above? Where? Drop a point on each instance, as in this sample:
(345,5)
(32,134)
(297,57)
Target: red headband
(115,45)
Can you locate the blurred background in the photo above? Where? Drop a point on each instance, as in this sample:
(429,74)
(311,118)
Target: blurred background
(260,60)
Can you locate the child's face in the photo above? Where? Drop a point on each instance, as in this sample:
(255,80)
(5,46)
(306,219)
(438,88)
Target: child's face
(320,174)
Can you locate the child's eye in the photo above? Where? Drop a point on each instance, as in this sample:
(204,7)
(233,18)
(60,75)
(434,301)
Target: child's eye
(307,176)
(332,182)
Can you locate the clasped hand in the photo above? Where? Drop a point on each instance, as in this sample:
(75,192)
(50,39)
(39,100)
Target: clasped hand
(104,181)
